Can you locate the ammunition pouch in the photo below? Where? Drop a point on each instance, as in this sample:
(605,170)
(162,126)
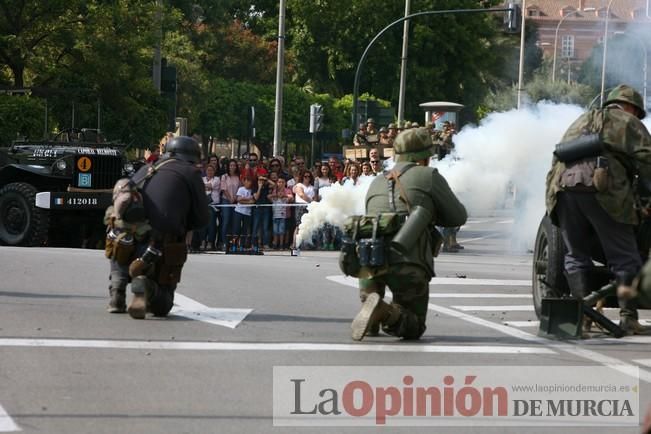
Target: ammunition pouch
(348,258)
(169,267)
(582,147)
(365,253)
(119,247)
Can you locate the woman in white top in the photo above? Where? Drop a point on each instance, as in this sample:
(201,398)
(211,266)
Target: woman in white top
(213,191)
(351,175)
(305,193)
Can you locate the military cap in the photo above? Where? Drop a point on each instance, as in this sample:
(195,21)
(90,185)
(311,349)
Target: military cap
(625,93)
(412,145)
(370,121)
(391,126)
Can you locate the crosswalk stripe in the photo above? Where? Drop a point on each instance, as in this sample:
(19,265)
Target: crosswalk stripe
(522,323)
(6,422)
(514,308)
(478,282)
(476,295)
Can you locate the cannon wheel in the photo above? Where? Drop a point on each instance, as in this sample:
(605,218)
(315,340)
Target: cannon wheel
(548,255)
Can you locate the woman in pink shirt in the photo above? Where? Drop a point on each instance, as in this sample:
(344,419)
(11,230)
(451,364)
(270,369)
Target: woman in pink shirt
(230,183)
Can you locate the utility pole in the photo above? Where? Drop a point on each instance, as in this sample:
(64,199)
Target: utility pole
(403,64)
(521,67)
(280,69)
(159,37)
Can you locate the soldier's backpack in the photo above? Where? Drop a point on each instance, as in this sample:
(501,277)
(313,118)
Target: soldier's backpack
(126,217)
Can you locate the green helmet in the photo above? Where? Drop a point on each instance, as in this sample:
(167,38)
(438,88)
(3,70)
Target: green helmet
(415,125)
(413,144)
(627,94)
(370,121)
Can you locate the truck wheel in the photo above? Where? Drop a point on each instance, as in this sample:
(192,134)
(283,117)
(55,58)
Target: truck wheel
(548,278)
(21,222)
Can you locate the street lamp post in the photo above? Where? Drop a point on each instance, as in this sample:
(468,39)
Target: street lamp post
(603,63)
(521,63)
(358,71)
(556,37)
(280,70)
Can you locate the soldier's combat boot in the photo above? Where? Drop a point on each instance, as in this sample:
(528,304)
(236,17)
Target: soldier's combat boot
(448,247)
(373,311)
(138,307)
(628,317)
(454,243)
(118,301)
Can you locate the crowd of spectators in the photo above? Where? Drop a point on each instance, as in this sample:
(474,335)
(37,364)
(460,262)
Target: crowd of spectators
(258,202)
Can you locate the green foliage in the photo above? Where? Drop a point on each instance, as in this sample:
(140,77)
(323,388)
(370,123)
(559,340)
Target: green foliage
(22,116)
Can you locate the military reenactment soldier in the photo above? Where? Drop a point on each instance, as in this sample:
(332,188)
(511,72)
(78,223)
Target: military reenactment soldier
(147,225)
(414,198)
(360,136)
(590,191)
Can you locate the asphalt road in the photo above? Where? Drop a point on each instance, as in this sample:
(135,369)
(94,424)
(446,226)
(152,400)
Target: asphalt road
(67,366)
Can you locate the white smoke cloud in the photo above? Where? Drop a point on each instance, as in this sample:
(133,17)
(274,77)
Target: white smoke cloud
(507,150)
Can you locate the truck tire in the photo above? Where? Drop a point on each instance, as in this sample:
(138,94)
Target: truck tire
(21,222)
(548,278)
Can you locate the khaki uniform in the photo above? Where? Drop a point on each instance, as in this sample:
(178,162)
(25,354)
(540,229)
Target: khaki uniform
(409,274)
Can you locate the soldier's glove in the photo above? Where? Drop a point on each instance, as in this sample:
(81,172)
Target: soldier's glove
(143,264)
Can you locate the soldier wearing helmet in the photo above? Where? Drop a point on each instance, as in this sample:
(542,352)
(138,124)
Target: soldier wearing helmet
(151,251)
(594,194)
(409,186)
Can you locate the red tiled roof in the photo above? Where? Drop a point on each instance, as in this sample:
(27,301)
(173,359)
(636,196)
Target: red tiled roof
(619,10)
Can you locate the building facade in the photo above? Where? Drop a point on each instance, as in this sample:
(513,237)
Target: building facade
(571,28)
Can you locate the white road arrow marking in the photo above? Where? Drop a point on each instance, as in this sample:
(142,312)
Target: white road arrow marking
(188,308)
(6,422)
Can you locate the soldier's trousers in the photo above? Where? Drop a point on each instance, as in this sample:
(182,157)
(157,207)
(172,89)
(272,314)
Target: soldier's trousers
(159,301)
(581,217)
(410,287)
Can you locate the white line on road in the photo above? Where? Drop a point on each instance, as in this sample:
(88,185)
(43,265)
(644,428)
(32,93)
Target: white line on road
(476,295)
(6,422)
(576,350)
(522,323)
(192,309)
(643,362)
(478,282)
(262,346)
(513,308)
(351,281)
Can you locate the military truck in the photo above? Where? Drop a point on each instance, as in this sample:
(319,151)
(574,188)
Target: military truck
(54,192)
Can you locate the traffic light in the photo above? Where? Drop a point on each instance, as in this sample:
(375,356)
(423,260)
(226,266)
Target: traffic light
(316,118)
(168,79)
(513,18)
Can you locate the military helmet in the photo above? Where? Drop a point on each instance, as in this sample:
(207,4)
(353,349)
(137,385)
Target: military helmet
(184,148)
(383,129)
(370,121)
(413,144)
(415,125)
(625,93)
(391,126)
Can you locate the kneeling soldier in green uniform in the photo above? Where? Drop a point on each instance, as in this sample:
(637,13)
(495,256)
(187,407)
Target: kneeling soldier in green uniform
(419,198)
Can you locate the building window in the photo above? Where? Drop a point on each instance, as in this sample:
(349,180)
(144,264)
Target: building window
(601,13)
(567,46)
(639,14)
